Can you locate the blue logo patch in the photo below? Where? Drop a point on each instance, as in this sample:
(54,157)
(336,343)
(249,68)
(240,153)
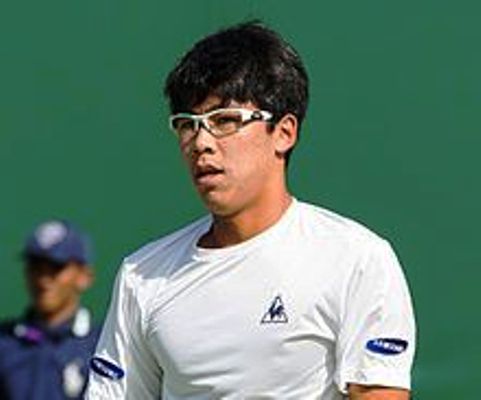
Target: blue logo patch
(106,368)
(387,346)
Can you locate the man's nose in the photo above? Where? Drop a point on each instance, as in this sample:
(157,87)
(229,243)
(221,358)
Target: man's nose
(203,141)
(41,280)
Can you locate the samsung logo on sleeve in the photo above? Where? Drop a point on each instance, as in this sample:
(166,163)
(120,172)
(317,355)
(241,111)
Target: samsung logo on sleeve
(106,368)
(387,346)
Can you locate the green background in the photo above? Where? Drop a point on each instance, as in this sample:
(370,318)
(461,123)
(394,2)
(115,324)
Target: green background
(391,139)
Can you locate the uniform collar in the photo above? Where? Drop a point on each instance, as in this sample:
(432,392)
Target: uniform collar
(33,330)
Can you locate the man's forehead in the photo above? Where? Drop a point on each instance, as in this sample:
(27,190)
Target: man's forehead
(43,263)
(213,102)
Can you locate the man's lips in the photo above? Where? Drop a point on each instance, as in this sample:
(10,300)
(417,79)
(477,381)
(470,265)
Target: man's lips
(40,291)
(205,170)
(206,174)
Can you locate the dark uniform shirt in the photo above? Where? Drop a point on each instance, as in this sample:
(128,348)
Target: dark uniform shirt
(40,363)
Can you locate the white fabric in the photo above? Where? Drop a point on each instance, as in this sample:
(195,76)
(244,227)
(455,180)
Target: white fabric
(193,323)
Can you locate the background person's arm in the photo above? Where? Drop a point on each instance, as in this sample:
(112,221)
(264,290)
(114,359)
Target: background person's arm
(361,392)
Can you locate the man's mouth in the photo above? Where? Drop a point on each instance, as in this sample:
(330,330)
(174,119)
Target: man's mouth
(207,174)
(41,292)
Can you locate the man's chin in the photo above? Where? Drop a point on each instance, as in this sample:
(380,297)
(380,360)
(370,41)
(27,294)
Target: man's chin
(217,203)
(46,306)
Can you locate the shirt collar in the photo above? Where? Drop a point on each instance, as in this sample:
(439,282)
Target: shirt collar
(33,329)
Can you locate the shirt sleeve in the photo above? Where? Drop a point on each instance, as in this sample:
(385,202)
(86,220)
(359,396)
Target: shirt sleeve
(376,341)
(123,366)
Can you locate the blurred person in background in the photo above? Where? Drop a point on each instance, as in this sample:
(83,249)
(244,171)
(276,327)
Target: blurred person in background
(44,353)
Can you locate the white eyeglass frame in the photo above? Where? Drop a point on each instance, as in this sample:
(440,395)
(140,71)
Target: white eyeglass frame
(247,115)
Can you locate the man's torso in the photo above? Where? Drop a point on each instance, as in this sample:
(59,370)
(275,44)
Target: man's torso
(255,320)
(37,364)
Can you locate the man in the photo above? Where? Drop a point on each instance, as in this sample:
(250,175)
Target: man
(267,297)
(44,354)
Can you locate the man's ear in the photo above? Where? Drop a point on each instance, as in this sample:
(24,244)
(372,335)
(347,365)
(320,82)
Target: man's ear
(285,133)
(85,277)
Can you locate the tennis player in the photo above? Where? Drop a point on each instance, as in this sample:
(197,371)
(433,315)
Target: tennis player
(267,297)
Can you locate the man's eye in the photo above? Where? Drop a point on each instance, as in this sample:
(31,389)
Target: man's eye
(184,124)
(227,119)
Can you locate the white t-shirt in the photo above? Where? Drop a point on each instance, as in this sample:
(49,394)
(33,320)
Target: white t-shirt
(296,312)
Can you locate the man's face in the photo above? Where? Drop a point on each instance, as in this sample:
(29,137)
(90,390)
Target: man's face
(234,171)
(55,288)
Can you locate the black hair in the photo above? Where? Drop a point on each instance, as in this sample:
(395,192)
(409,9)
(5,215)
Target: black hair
(245,62)
(33,261)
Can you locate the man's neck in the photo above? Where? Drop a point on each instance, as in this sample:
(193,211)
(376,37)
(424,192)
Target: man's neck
(61,316)
(237,228)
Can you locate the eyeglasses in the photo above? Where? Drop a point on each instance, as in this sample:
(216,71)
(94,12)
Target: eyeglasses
(220,122)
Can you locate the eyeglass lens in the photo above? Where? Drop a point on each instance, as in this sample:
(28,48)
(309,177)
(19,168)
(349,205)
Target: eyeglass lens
(219,123)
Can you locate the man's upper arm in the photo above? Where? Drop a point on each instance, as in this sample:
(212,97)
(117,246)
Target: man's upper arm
(123,366)
(359,392)
(376,343)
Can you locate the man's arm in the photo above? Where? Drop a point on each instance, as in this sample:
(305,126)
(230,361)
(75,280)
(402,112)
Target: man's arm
(123,366)
(361,392)
(376,343)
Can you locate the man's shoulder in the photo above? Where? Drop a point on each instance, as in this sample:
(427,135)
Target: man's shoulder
(353,244)
(328,223)
(154,257)
(7,334)
(6,327)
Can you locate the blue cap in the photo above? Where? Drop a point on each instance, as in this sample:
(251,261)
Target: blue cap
(59,241)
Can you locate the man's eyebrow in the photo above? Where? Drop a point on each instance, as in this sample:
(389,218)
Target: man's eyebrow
(212,108)
(221,104)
